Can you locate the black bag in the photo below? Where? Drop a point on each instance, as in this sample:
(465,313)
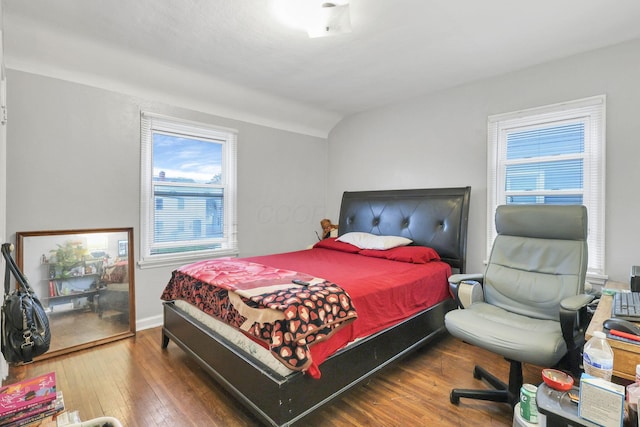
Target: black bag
(25,325)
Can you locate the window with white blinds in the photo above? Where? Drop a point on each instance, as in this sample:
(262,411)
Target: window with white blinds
(188,194)
(551,155)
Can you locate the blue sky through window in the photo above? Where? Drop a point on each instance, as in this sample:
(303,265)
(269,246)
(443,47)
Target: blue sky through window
(186,159)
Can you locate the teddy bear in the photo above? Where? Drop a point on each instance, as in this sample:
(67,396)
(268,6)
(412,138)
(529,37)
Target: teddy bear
(328,229)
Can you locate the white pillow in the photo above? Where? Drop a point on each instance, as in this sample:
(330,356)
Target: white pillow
(371,241)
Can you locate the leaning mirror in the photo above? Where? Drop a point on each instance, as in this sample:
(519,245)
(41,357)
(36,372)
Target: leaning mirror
(85,280)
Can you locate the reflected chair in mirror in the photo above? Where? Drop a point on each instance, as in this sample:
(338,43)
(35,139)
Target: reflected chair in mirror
(529,306)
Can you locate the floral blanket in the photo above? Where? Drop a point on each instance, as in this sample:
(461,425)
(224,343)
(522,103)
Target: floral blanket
(265,303)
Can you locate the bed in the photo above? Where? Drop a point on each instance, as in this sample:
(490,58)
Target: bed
(114,291)
(431,218)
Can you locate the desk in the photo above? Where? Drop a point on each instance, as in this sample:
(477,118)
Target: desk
(625,356)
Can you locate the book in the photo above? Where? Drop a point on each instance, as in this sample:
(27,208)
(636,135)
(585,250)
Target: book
(20,415)
(35,419)
(48,421)
(52,289)
(622,338)
(601,401)
(27,394)
(37,414)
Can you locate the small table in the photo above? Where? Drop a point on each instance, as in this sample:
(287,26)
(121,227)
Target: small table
(625,355)
(558,407)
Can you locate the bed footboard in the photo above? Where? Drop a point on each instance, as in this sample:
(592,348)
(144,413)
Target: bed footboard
(281,401)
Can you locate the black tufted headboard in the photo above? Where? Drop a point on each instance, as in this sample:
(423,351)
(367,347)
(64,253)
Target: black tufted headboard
(434,217)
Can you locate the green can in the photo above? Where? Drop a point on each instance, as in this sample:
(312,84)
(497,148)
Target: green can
(528,407)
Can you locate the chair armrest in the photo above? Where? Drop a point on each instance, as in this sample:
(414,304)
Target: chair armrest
(469,293)
(574,322)
(576,302)
(457,278)
(466,289)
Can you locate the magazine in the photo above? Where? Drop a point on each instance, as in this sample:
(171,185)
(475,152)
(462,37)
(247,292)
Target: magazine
(27,394)
(35,414)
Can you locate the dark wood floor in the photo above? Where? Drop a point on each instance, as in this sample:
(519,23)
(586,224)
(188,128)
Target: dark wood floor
(137,382)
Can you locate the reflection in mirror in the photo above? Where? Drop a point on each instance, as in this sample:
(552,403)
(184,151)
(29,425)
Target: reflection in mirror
(84,279)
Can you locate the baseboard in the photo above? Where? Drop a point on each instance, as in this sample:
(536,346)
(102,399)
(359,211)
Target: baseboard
(149,322)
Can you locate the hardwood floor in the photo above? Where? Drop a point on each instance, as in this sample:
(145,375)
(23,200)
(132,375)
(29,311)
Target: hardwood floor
(65,334)
(137,382)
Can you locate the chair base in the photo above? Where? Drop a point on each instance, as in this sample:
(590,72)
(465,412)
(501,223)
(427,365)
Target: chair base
(507,393)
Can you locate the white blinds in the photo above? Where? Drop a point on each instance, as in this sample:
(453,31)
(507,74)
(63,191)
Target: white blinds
(551,155)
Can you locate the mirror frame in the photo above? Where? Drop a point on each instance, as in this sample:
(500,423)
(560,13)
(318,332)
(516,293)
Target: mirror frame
(125,237)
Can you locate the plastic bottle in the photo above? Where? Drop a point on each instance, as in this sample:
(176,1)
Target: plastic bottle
(597,357)
(633,395)
(633,389)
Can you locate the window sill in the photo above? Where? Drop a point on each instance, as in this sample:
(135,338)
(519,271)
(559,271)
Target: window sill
(165,261)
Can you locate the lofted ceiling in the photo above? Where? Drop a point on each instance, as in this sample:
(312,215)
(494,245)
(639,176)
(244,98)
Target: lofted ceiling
(235,58)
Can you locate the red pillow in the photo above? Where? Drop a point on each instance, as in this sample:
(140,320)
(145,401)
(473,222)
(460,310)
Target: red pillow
(412,254)
(336,245)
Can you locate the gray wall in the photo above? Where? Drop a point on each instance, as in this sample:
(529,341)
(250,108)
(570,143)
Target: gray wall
(74,162)
(441,140)
(73,158)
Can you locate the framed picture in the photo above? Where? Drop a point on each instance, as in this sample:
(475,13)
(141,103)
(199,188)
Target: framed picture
(123,248)
(85,281)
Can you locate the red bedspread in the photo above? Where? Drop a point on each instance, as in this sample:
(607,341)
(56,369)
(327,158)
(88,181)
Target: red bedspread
(262,301)
(383,292)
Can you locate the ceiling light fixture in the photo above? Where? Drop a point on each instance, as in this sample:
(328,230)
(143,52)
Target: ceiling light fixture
(329,19)
(319,18)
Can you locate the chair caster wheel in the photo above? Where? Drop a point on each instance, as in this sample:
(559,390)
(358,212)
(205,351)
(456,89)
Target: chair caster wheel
(453,398)
(476,373)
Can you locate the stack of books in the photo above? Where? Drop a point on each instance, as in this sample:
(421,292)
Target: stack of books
(30,401)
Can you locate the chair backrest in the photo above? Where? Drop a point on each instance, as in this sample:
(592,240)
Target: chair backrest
(538,258)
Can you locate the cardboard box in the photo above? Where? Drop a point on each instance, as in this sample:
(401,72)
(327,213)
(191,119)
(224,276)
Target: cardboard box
(601,401)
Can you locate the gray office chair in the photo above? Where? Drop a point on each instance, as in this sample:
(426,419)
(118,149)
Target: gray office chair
(529,305)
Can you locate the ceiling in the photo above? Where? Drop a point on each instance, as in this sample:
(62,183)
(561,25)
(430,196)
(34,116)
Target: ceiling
(237,59)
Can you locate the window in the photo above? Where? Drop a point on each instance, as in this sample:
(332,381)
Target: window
(551,155)
(188,194)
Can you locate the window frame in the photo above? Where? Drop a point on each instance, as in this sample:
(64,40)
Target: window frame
(592,113)
(150,123)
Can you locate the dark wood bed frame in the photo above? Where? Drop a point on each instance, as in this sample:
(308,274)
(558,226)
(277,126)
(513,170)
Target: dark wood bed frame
(430,217)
